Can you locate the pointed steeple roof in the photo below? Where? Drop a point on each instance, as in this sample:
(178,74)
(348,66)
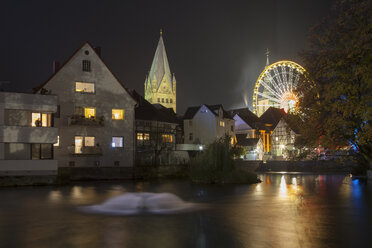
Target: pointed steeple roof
(160,65)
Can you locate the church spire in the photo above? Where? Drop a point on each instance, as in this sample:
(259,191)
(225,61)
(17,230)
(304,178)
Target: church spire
(267,57)
(160,65)
(160,84)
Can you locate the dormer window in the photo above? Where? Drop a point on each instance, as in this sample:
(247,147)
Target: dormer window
(86,65)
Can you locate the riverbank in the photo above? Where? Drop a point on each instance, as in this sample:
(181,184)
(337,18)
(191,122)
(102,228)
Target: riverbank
(314,166)
(67,175)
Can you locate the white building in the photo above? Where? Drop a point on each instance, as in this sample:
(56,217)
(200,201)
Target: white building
(206,123)
(283,138)
(95,113)
(27,134)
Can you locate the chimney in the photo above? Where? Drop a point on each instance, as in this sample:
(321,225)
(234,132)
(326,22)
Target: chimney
(55,66)
(98,51)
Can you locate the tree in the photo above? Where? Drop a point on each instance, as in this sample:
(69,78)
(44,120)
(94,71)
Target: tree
(336,96)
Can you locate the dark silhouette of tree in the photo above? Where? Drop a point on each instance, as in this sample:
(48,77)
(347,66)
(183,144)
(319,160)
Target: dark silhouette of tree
(336,96)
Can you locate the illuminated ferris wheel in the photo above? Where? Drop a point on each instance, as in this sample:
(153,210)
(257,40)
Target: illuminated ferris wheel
(275,87)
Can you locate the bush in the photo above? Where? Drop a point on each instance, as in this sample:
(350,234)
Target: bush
(216,165)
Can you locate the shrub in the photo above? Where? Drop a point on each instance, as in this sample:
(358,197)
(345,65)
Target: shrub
(216,165)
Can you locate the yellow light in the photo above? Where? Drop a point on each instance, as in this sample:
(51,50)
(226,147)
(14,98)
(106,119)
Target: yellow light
(118,114)
(89,112)
(288,101)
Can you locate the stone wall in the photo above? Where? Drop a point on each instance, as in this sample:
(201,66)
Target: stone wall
(8,181)
(306,166)
(151,158)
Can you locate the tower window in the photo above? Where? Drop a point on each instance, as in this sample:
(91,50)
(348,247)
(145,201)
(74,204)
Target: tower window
(171,100)
(86,65)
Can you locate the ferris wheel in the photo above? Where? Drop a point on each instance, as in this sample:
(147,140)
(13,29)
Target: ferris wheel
(275,87)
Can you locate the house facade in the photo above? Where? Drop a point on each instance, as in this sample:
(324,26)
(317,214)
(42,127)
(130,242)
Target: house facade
(247,127)
(206,123)
(156,126)
(27,134)
(95,113)
(283,138)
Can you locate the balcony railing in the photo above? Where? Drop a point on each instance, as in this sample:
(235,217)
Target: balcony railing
(82,121)
(86,150)
(21,134)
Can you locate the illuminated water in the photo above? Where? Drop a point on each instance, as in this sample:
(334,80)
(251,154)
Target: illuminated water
(283,211)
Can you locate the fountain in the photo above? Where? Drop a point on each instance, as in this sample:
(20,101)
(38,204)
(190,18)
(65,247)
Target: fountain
(140,203)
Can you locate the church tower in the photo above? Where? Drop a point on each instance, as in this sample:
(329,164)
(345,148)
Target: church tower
(160,84)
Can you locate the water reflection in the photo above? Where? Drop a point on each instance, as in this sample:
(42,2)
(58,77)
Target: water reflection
(285,210)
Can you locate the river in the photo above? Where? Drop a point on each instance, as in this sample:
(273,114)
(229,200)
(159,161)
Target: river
(285,210)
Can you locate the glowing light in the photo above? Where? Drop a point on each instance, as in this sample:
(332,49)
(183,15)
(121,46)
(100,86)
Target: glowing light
(275,86)
(289,102)
(283,187)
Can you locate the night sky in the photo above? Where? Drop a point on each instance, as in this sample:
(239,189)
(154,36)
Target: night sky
(216,48)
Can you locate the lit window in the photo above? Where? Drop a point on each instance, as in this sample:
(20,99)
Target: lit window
(89,141)
(78,144)
(46,120)
(57,144)
(146,136)
(139,136)
(36,120)
(117,142)
(276,138)
(222,123)
(85,87)
(86,65)
(41,120)
(118,114)
(90,112)
(167,138)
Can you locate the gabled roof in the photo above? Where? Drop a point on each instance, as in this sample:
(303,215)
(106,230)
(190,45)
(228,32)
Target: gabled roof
(160,66)
(150,112)
(291,125)
(246,115)
(242,140)
(216,107)
(191,111)
(37,88)
(271,117)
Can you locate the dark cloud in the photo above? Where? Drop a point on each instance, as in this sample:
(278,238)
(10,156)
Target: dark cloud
(216,48)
